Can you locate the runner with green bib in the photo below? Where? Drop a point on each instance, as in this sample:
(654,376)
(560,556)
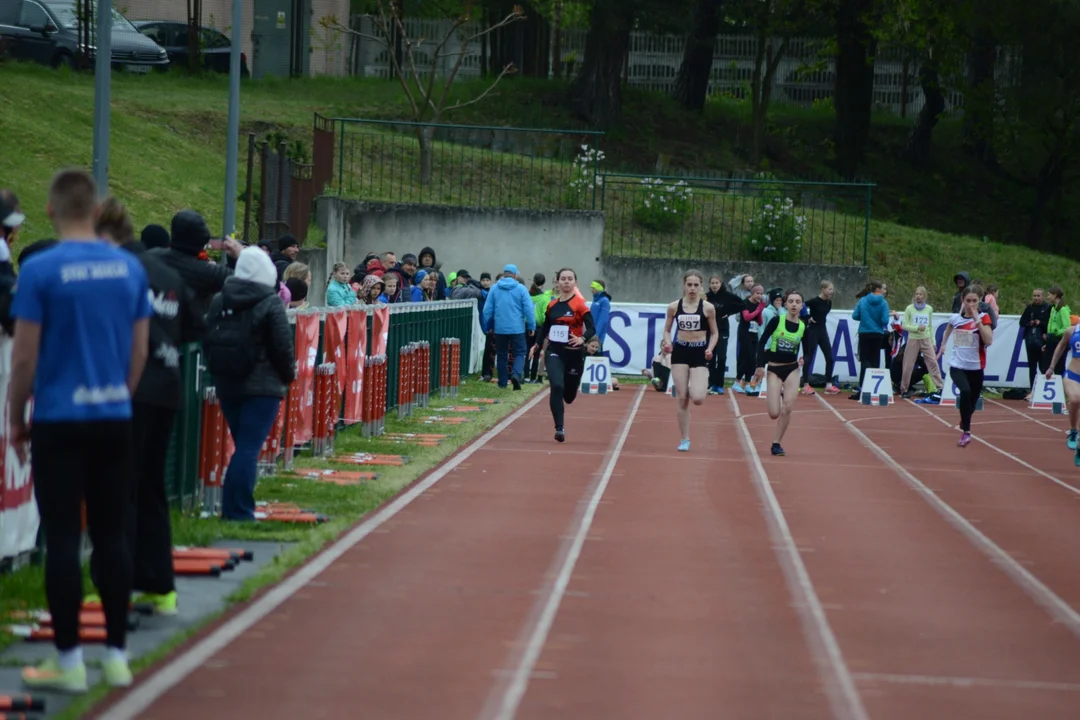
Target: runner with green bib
(778,354)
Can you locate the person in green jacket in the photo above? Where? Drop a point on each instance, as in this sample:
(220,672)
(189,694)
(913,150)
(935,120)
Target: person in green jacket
(1059,324)
(918,323)
(541,299)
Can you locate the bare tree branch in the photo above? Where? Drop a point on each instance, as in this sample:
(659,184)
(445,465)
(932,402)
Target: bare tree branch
(508,70)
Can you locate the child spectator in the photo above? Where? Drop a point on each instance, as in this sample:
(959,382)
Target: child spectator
(338,290)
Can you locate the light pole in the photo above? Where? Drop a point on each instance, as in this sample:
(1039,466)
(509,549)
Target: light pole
(233,134)
(102,93)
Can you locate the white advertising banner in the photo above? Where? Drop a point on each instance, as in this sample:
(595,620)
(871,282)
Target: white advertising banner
(635,330)
(18,510)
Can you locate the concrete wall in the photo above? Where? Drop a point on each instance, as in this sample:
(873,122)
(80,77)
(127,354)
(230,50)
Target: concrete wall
(315,258)
(653,280)
(478,240)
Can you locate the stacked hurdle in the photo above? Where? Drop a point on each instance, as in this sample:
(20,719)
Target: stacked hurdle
(292,417)
(272,446)
(423,374)
(214,452)
(373,413)
(455,366)
(444,367)
(325,410)
(405,384)
(414,378)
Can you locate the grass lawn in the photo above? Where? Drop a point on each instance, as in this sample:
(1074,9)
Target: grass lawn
(168,152)
(344,505)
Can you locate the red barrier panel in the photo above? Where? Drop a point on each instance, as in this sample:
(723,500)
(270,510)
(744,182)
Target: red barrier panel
(356,367)
(307,347)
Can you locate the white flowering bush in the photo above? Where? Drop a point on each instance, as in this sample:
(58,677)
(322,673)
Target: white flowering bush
(776,227)
(584,178)
(663,205)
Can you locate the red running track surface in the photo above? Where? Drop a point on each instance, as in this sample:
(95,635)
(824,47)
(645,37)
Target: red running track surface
(876,571)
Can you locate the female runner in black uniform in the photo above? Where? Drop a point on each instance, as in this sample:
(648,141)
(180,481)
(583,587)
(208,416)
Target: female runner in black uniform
(567,323)
(779,351)
(695,319)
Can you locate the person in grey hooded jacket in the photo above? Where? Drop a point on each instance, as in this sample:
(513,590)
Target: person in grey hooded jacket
(250,402)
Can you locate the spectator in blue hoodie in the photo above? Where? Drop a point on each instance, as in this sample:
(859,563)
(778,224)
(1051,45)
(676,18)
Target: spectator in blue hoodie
(872,314)
(600,309)
(508,311)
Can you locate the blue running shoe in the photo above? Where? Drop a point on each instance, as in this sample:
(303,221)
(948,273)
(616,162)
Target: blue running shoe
(777,450)
(1071,442)
(684,446)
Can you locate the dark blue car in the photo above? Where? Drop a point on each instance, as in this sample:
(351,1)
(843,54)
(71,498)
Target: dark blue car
(214,46)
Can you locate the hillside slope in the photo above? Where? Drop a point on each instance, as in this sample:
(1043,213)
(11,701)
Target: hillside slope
(168,153)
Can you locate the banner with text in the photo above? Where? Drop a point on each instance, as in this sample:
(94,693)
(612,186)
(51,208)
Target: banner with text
(18,512)
(635,330)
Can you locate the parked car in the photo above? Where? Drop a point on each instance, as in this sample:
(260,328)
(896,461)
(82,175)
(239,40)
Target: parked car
(47,32)
(215,47)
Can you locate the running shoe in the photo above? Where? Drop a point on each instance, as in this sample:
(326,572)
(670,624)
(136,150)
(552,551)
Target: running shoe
(719,389)
(738,388)
(855,396)
(832,390)
(1076,458)
(162,604)
(49,676)
(965,440)
(684,446)
(117,672)
(560,435)
(777,450)
(516,383)
(1071,442)
(807,390)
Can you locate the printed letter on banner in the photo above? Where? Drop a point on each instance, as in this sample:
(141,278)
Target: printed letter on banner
(307,348)
(357,352)
(334,343)
(380,330)
(18,512)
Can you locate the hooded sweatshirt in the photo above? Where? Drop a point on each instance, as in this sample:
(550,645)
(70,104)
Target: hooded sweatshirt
(440,279)
(872,314)
(254,289)
(508,309)
(190,235)
(726,303)
(956,300)
(601,313)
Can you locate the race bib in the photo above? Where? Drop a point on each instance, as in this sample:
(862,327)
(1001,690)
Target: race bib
(754,327)
(964,339)
(559,333)
(922,320)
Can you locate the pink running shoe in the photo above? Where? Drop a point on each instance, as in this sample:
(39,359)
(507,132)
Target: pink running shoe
(807,390)
(832,390)
(965,440)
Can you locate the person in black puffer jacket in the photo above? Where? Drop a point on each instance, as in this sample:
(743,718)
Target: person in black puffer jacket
(250,402)
(190,236)
(155,404)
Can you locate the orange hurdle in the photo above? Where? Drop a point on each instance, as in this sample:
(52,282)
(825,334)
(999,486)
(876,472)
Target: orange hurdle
(21,703)
(212,452)
(36,633)
(382,378)
(444,367)
(272,445)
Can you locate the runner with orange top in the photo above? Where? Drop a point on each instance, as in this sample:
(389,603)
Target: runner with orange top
(567,323)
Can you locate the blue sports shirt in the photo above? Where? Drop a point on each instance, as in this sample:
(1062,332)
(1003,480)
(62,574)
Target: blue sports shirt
(87,297)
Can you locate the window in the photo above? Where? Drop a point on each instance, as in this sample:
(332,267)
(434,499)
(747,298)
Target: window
(154,32)
(33,15)
(211,39)
(9,13)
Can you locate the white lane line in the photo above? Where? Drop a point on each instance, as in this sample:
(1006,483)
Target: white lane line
(966,682)
(504,700)
(843,696)
(1006,453)
(136,702)
(1039,592)
(1027,417)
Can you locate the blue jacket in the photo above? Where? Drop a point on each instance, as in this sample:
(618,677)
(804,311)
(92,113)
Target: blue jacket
(601,312)
(509,306)
(872,314)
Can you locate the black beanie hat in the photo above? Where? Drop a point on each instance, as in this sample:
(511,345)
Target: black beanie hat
(189,232)
(154,236)
(286,241)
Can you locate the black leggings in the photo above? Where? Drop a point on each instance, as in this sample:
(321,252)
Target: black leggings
(745,367)
(73,461)
(870,345)
(815,337)
(1035,363)
(718,364)
(968,388)
(564,374)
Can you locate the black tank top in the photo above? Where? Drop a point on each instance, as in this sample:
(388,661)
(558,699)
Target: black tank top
(691,322)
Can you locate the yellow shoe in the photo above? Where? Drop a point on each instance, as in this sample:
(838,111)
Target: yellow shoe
(163,604)
(117,672)
(49,676)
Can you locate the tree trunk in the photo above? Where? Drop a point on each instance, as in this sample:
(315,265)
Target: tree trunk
(854,91)
(425,134)
(918,142)
(1048,186)
(556,40)
(978,124)
(766,63)
(692,82)
(597,90)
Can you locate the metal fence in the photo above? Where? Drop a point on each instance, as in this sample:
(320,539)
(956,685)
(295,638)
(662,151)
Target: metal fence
(467,165)
(815,223)
(410,322)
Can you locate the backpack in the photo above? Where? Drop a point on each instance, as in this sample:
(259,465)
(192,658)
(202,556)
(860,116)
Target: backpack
(230,346)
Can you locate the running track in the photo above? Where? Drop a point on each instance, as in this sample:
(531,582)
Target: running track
(877,571)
